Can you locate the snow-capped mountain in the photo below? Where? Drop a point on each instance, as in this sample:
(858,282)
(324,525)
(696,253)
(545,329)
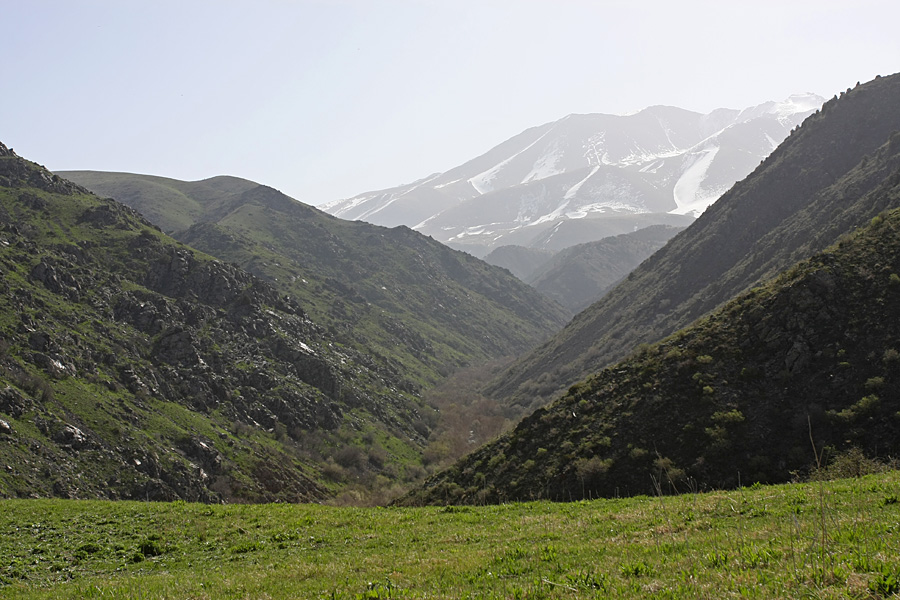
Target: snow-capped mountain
(642,169)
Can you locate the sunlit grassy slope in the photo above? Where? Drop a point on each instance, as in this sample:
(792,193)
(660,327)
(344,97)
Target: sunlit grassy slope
(820,540)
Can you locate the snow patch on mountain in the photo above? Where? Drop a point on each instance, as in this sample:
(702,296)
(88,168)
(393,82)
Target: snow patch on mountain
(424,223)
(644,156)
(594,150)
(613,206)
(551,216)
(338,207)
(390,199)
(688,193)
(797,104)
(574,189)
(372,202)
(482,181)
(545,166)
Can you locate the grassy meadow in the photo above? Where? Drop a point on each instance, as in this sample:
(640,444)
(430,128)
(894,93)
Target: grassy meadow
(836,539)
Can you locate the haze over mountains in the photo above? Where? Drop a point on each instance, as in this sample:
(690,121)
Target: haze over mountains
(585,177)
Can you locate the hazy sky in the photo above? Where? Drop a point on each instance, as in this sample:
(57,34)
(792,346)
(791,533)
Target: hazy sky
(324,99)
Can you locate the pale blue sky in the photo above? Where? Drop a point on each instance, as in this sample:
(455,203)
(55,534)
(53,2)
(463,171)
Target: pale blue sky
(327,99)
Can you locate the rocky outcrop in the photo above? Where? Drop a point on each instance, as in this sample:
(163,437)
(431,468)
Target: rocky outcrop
(16,172)
(58,280)
(13,402)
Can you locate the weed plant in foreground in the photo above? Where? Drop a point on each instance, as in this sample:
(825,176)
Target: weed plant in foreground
(837,539)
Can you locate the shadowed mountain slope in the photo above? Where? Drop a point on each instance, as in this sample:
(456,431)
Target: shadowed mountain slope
(731,400)
(813,188)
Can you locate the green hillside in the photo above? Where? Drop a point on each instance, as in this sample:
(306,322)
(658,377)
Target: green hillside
(735,398)
(132,366)
(412,304)
(814,187)
(171,204)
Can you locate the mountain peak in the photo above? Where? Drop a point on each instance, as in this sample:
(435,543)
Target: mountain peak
(587,167)
(806,101)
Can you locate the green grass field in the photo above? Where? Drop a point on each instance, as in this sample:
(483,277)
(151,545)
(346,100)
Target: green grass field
(838,539)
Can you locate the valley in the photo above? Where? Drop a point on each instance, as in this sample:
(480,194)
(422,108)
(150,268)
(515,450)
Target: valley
(450,300)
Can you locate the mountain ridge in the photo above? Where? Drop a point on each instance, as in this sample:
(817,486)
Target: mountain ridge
(692,273)
(135,366)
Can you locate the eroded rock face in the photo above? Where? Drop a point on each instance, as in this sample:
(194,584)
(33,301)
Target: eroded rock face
(144,313)
(307,366)
(177,346)
(205,454)
(100,216)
